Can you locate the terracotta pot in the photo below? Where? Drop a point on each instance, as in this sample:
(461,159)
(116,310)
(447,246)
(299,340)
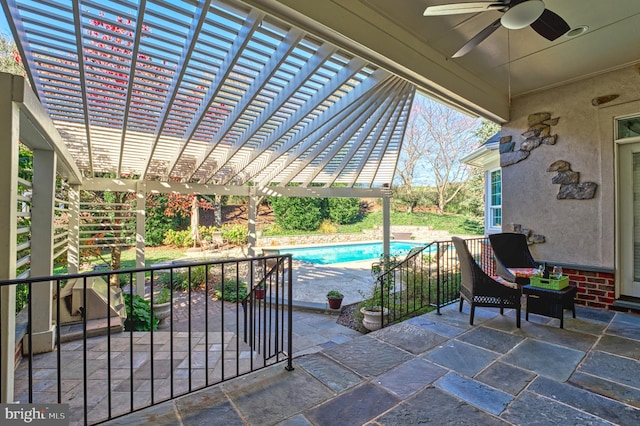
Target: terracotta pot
(259,293)
(373,318)
(334,303)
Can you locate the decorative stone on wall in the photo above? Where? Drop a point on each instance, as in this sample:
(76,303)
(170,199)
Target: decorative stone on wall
(538,133)
(532,238)
(569,181)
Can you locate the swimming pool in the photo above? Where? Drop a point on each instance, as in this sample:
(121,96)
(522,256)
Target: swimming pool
(347,252)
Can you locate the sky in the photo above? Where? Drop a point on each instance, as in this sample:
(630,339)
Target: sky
(4,27)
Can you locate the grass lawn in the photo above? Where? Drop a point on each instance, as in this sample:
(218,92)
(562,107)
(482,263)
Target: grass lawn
(455,224)
(128,260)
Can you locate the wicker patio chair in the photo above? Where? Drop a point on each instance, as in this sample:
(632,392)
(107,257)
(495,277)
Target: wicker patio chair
(479,289)
(511,251)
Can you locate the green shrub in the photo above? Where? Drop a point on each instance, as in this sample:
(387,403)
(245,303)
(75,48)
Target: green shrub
(344,211)
(327,227)
(178,238)
(140,318)
(298,213)
(235,234)
(231,290)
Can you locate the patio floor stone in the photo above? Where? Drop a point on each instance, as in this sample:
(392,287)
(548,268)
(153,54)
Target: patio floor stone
(493,340)
(553,361)
(329,372)
(612,367)
(619,346)
(530,408)
(350,407)
(622,393)
(433,369)
(410,338)
(436,407)
(600,406)
(506,377)
(476,393)
(367,356)
(462,357)
(410,377)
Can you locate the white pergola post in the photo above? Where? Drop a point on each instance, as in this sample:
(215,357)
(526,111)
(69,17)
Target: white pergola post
(141,194)
(253,208)
(42,231)
(9,136)
(386,224)
(73,249)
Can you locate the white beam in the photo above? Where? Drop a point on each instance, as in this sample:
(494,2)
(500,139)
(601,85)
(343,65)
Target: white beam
(141,195)
(369,113)
(378,123)
(9,138)
(298,191)
(233,55)
(42,231)
(253,208)
(187,51)
(292,38)
(311,66)
(132,72)
(315,130)
(73,251)
(363,107)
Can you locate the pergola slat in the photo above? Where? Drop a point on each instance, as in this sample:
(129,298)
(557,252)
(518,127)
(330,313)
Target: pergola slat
(208,91)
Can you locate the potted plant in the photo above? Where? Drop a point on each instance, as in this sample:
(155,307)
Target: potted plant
(372,307)
(260,291)
(334,297)
(374,314)
(162,305)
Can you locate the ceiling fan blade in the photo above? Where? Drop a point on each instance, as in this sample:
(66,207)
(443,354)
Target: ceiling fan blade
(459,8)
(477,39)
(550,25)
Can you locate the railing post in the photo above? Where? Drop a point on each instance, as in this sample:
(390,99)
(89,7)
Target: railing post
(438,278)
(289,366)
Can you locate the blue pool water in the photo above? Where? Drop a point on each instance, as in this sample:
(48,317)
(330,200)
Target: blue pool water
(347,253)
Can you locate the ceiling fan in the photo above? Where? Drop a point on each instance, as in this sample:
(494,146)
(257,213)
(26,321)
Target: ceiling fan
(517,14)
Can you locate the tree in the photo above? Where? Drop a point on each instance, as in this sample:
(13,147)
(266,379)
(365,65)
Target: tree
(437,137)
(486,130)
(10,60)
(412,152)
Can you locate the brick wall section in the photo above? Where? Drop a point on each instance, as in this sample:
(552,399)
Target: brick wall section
(595,289)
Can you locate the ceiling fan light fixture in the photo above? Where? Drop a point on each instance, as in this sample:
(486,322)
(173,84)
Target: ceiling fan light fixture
(522,15)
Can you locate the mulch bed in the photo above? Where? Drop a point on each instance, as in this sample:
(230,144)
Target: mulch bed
(352,318)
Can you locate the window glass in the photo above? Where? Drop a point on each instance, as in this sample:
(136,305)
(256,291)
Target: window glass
(628,127)
(495,197)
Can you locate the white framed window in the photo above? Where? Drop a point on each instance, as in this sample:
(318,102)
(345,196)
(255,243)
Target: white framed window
(494,199)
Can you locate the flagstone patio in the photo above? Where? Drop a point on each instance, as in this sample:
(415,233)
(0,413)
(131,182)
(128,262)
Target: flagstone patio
(436,369)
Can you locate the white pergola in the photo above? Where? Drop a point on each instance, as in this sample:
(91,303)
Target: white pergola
(208,92)
(193,97)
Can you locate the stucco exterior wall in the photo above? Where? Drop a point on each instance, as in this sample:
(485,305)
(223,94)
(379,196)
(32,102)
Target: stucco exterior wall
(578,232)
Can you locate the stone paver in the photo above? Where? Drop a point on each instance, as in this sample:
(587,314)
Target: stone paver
(462,357)
(434,369)
(506,377)
(534,409)
(553,361)
(356,406)
(476,393)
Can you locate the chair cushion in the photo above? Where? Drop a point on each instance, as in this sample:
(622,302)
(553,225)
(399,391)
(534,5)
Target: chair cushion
(523,272)
(504,282)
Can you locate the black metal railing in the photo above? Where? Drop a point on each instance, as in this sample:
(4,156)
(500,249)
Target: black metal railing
(125,359)
(428,278)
